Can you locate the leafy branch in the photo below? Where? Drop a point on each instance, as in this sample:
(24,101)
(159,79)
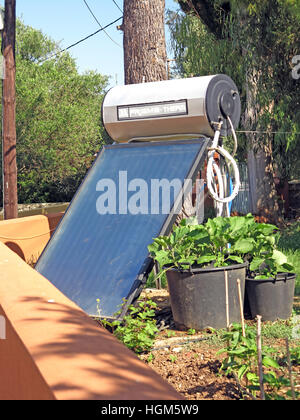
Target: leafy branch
(241,363)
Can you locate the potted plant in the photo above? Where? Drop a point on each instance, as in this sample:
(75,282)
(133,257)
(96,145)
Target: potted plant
(270,281)
(203,264)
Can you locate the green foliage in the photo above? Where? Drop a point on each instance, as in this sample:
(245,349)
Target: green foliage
(138,328)
(289,244)
(199,245)
(241,353)
(270,264)
(295,355)
(241,360)
(221,242)
(254,42)
(197,50)
(290,237)
(58,119)
(278,330)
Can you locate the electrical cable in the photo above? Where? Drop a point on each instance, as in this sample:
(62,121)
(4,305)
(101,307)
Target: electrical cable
(80,41)
(118,6)
(234,136)
(107,34)
(267,132)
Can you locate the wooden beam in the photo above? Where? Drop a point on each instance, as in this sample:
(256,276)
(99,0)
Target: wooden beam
(10,195)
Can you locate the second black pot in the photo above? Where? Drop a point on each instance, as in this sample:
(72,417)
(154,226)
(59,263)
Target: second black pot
(271,298)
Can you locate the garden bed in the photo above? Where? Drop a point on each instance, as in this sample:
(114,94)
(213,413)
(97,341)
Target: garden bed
(189,361)
(194,372)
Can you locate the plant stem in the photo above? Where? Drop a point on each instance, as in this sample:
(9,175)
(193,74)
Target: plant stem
(241,306)
(242,389)
(259,356)
(227,299)
(290,368)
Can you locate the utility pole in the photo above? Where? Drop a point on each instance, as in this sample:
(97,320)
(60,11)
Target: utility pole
(9,156)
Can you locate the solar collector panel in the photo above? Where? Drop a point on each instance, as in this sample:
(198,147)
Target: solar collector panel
(100,256)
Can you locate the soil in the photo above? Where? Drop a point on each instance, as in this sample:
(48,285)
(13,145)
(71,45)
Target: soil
(194,372)
(189,360)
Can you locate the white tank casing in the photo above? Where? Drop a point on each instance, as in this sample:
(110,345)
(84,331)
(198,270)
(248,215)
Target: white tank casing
(172,108)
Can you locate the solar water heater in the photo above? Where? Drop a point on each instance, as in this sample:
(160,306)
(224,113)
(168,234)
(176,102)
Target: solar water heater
(98,255)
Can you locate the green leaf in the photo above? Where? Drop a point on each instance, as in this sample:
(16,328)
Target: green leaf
(262,277)
(269,362)
(224,350)
(279,257)
(206,259)
(162,257)
(288,268)
(153,248)
(235,338)
(238,351)
(270,377)
(265,228)
(244,246)
(256,263)
(236,259)
(242,370)
(252,377)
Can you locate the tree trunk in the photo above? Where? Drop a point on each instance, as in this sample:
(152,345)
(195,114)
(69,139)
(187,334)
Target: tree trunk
(145,57)
(263,192)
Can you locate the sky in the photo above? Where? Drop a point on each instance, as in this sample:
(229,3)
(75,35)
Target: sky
(68,21)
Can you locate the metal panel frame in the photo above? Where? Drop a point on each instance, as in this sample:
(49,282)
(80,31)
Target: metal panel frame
(166,228)
(169,222)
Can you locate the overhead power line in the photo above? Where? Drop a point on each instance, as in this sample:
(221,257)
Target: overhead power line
(118,6)
(81,40)
(267,132)
(92,13)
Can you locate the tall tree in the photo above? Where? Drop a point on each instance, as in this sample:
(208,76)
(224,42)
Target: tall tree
(145,57)
(58,121)
(254,41)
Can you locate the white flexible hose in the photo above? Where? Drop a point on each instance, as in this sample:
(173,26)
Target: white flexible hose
(213,168)
(220,194)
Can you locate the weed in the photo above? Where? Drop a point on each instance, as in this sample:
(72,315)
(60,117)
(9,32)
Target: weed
(138,328)
(150,358)
(295,355)
(277,330)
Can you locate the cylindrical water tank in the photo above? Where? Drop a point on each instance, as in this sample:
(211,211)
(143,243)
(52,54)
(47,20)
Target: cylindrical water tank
(171,108)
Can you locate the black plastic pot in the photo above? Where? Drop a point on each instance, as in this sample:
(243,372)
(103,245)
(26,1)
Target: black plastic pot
(198,298)
(271,298)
